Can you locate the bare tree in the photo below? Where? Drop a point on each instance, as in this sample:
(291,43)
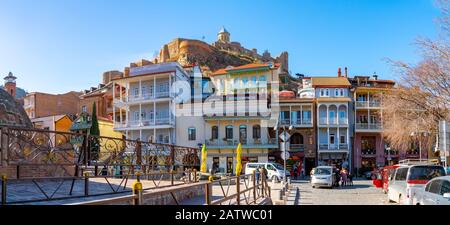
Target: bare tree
(422,97)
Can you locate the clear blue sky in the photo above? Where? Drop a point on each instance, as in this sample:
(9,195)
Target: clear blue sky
(62,45)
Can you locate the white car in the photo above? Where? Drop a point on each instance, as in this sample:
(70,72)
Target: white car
(275,171)
(322,176)
(435,192)
(408,180)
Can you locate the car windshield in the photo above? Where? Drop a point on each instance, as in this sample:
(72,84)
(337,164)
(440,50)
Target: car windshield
(425,172)
(322,171)
(278,166)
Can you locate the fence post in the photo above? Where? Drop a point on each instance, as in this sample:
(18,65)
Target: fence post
(171,177)
(138,152)
(263,183)
(86,183)
(3,146)
(190,174)
(254,185)
(238,190)
(195,175)
(4,180)
(137,190)
(208,190)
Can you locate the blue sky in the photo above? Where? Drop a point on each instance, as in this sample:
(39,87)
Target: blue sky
(57,46)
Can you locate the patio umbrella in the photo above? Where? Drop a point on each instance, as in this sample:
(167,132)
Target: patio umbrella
(239,160)
(204,153)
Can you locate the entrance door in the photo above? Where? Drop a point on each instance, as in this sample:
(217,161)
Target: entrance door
(309,165)
(229,164)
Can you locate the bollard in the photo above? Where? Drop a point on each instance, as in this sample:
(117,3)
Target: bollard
(4,179)
(86,183)
(238,190)
(254,185)
(208,191)
(137,190)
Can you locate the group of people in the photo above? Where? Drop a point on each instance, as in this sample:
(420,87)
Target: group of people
(343,177)
(260,170)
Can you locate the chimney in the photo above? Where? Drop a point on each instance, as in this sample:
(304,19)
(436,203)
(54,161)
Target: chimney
(346,75)
(339,72)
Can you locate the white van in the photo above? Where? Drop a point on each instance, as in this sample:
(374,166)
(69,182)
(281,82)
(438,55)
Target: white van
(275,171)
(322,176)
(408,180)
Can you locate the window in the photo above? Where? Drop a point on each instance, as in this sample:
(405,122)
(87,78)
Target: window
(336,92)
(214,132)
(342,91)
(229,132)
(236,83)
(83,109)
(254,81)
(136,91)
(256,132)
(332,139)
(445,187)
(342,114)
(435,187)
(342,139)
(245,81)
(136,116)
(191,134)
(401,174)
(322,92)
(327,92)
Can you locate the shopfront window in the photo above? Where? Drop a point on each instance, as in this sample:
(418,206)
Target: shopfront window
(368,145)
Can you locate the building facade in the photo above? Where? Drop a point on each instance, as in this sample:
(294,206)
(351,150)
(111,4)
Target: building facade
(370,149)
(242,114)
(333,120)
(144,106)
(37,104)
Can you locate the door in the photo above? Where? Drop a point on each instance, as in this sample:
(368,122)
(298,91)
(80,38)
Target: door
(230,165)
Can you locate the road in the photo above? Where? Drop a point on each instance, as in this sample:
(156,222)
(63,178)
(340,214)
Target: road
(361,193)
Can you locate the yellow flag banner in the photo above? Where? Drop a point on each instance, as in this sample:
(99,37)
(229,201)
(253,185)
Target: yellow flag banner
(239,160)
(203,167)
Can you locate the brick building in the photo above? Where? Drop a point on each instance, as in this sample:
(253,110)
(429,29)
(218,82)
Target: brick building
(37,104)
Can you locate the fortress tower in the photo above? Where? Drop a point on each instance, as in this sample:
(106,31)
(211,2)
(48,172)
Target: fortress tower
(224,35)
(10,84)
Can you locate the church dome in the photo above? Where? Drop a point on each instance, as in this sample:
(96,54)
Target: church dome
(11,112)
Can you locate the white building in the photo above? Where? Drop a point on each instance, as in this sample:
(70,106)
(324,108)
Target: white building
(333,125)
(144,105)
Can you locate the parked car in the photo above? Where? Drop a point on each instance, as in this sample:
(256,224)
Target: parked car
(322,176)
(409,179)
(435,192)
(275,171)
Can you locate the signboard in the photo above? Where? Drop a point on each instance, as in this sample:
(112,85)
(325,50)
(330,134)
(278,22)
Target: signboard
(285,146)
(285,136)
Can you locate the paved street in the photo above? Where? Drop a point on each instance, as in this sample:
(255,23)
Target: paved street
(361,193)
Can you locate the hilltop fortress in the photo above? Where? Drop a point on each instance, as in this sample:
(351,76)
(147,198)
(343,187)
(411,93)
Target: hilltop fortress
(217,55)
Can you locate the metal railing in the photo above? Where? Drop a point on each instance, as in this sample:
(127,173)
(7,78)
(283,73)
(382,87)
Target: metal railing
(369,126)
(333,147)
(237,190)
(234,142)
(36,155)
(367,104)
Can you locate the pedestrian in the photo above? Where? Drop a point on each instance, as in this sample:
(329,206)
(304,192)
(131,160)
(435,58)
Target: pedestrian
(257,174)
(350,179)
(295,172)
(337,177)
(343,177)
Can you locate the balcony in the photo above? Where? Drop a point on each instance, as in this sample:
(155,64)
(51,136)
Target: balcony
(250,143)
(367,104)
(297,147)
(369,127)
(296,122)
(333,147)
(144,123)
(333,121)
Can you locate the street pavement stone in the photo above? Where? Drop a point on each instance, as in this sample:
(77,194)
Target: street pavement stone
(361,193)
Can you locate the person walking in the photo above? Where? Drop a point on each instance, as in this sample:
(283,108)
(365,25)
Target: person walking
(350,178)
(343,177)
(257,174)
(337,177)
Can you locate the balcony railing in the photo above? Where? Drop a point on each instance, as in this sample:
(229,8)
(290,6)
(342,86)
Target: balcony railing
(235,142)
(297,147)
(333,121)
(333,147)
(144,123)
(368,104)
(369,126)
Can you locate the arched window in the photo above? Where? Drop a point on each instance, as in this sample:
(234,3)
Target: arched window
(327,92)
(229,132)
(336,92)
(256,132)
(214,132)
(254,81)
(245,81)
(342,91)
(321,92)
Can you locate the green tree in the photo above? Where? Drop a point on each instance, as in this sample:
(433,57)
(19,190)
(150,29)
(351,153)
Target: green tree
(95,132)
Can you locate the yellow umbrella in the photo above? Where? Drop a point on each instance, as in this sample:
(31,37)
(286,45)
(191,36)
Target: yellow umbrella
(239,160)
(203,167)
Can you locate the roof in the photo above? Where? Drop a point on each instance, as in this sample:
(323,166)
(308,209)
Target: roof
(223,30)
(243,67)
(57,118)
(330,81)
(10,75)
